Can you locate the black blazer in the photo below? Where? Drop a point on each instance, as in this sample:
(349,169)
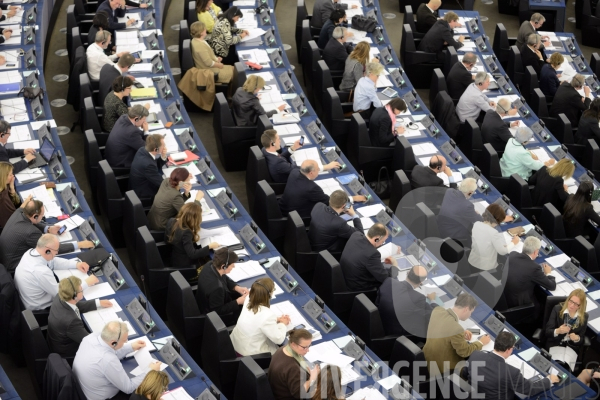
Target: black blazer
(335,54)
(567,101)
(279,166)
(588,129)
(528,57)
(524,275)
(555,321)
(498,380)
(548,189)
(6,154)
(434,39)
(215,292)
(458,80)
(123,142)
(380,128)
(425,18)
(361,264)
(145,176)
(108,74)
(579,226)
(495,131)
(246,107)
(548,81)
(20,235)
(301,194)
(328,231)
(113,22)
(65,329)
(325,34)
(403,309)
(424,176)
(184,251)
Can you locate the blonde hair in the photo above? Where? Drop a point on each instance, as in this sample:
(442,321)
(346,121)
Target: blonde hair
(154,384)
(580,294)
(556,59)
(564,168)
(450,17)
(260,294)
(5,169)
(361,53)
(68,288)
(374,68)
(252,83)
(197,28)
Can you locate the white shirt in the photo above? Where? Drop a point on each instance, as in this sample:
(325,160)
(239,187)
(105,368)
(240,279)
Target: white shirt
(487,244)
(96,59)
(471,103)
(257,333)
(99,370)
(34,278)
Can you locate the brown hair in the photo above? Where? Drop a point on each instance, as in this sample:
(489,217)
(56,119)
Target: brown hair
(189,217)
(331,377)
(556,59)
(5,169)
(295,335)
(260,294)
(154,384)
(178,175)
(222,255)
(450,17)
(268,137)
(68,287)
(494,214)
(397,104)
(121,83)
(153,142)
(361,53)
(338,198)
(465,300)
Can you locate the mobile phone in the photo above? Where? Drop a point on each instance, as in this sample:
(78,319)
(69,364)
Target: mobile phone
(301,326)
(347,205)
(62,229)
(11,65)
(301,140)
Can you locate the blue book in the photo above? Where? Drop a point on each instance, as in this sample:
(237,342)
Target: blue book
(10,87)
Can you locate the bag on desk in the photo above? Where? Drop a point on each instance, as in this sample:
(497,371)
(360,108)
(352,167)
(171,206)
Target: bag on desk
(382,187)
(363,23)
(31,93)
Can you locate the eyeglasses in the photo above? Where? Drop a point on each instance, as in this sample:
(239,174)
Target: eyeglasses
(304,347)
(575,304)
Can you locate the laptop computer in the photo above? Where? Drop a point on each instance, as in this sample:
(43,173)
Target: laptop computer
(43,156)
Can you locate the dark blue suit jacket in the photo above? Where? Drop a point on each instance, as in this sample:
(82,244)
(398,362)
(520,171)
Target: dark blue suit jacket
(548,81)
(113,23)
(361,264)
(145,176)
(328,231)
(301,194)
(123,143)
(279,166)
(6,154)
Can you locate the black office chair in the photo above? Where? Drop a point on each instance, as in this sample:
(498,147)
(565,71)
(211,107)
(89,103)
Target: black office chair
(267,214)
(297,249)
(445,112)
(75,41)
(59,382)
(584,252)
(362,154)
(233,141)
(591,156)
(301,16)
(192,15)
(90,119)
(450,58)
(502,43)
(418,65)
(595,63)
(252,382)
(471,143)
(403,352)
(520,196)
(515,68)
(421,221)
(409,18)
(92,157)
(329,284)
(110,195)
(219,359)
(400,187)
(365,322)
(35,350)
(404,156)
(334,109)
(490,168)
(438,84)
(551,221)
(187,61)
(590,26)
(184,33)
(79,67)
(323,79)
(312,55)
(185,320)
(530,82)
(257,170)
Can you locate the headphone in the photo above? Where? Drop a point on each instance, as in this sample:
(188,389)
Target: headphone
(377,239)
(104,36)
(226,261)
(123,83)
(48,252)
(437,164)
(73,286)
(503,109)
(415,278)
(3,133)
(260,284)
(114,344)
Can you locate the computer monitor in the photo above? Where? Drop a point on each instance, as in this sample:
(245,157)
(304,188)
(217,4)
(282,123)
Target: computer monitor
(47,149)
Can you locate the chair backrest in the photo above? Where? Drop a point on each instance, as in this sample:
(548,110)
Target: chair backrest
(407,43)
(328,278)
(266,209)
(296,245)
(551,301)
(450,58)
(409,18)
(585,253)
(92,156)
(256,170)
(133,217)
(445,112)
(425,224)
(85,87)
(75,41)
(530,82)
(187,62)
(90,118)
(490,162)
(405,351)
(404,156)
(60,380)
(108,191)
(515,66)
(301,13)
(71,23)
(551,222)
(355,138)
(595,61)
(192,15)
(239,76)
(501,43)
(252,382)
(223,116)
(217,347)
(471,137)
(438,83)
(148,258)
(538,103)
(323,79)
(35,349)
(315,56)
(518,192)
(563,131)
(400,187)
(184,33)
(332,108)
(365,321)
(592,156)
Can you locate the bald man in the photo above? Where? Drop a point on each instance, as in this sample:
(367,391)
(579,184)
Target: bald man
(301,193)
(427,15)
(494,129)
(423,176)
(403,309)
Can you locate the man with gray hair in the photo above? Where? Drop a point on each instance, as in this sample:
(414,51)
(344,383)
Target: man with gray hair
(517,159)
(473,101)
(336,50)
(524,274)
(528,27)
(97,58)
(457,214)
(98,367)
(126,137)
(494,130)
(569,101)
(532,54)
(460,77)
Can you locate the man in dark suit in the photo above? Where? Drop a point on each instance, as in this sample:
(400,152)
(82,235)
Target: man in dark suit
(492,376)
(126,137)
(440,36)
(381,131)
(525,274)
(278,161)
(427,15)
(528,27)
(427,176)
(337,18)
(532,55)
(6,154)
(65,327)
(494,130)
(403,309)
(361,261)
(460,77)
(146,174)
(328,231)
(457,214)
(109,72)
(336,51)
(568,100)
(322,11)
(115,10)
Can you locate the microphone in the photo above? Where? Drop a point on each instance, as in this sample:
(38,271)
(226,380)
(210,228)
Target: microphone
(146,302)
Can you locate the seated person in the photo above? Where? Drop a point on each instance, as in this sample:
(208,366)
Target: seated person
(336,50)
(488,243)
(9,199)
(382,124)
(35,278)
(588,124)
(114,106)
(322,10)
(95,53)
(98,367)
(440,36)
(404,310)
(99,23)
(549,77)
(355,65)
(204,56)
(567,325)
(447,342)
(115,9)
(146,175)
(422,176)
(208,13)
(473,102)
(460,77)
(290,376)
(336,19)
(110,72)
(517,159)
(169,199)
(258,329)
(225,36)
(525,274)
(494,378)
(246,105)
(7,154)
(427,15)
(66,329)
(361,261)
(23,230)
(152,387)
(328,231)
(550,185)
(577,210)
(494,130)
(329,381)
(216,292)
(278,161)
(183,234)
(126,137)
(531,55)
(365,93)
(457,214)
(569,101)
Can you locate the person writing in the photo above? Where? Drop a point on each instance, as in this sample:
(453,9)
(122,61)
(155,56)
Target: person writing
(549,184)
(246,104)
(383,125)
(488,243)
(224,36)
(517,159)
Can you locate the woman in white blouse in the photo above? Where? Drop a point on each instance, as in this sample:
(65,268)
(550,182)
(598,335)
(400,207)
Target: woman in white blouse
(258,329)
(488,242)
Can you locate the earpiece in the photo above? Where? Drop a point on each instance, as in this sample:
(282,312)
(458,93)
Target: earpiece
(226,261)
(35,216)
(377,239)
(73,286)
(123,84)
(415,278)
(114,344)
(272,143)
(437,164)
(48,252)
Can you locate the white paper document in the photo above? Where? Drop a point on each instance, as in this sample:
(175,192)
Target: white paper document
(222,235)
(254,33)
(144,359)
(370,211)
(329,185)
(246,270)
(65,273)
(149,344)
(97,291)
(312,153)
(324,348)
(526,369)
(368,393)
(558,260)
(389,250)
(179,393)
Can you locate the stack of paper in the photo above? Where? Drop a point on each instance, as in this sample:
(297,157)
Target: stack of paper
(455,174)
(368,393)
(145,93)
(65,273)
(13,106)
(29,175)
(565,288)
(222,235)
(12,58)
(370,211)
(19,133)
(383,81)
(518,248)
(246,270)
(179,393)
(192,169)
(257,56)
(480,206)
(526,369)
(329,185)
(389,250)
(98,290)
(145,339)
(272,100)
(288,130)
(366,223)
(33,144)
(254,33)
(558,260)
(126,38)
(422,149)
(96,320)
(328,347)
(131,48)
(296,318)
(16,19)
(144,359)
(312,153)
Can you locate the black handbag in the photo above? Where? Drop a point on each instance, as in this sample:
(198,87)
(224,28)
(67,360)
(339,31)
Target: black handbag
(363,23)
(382,188)
(31,93)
